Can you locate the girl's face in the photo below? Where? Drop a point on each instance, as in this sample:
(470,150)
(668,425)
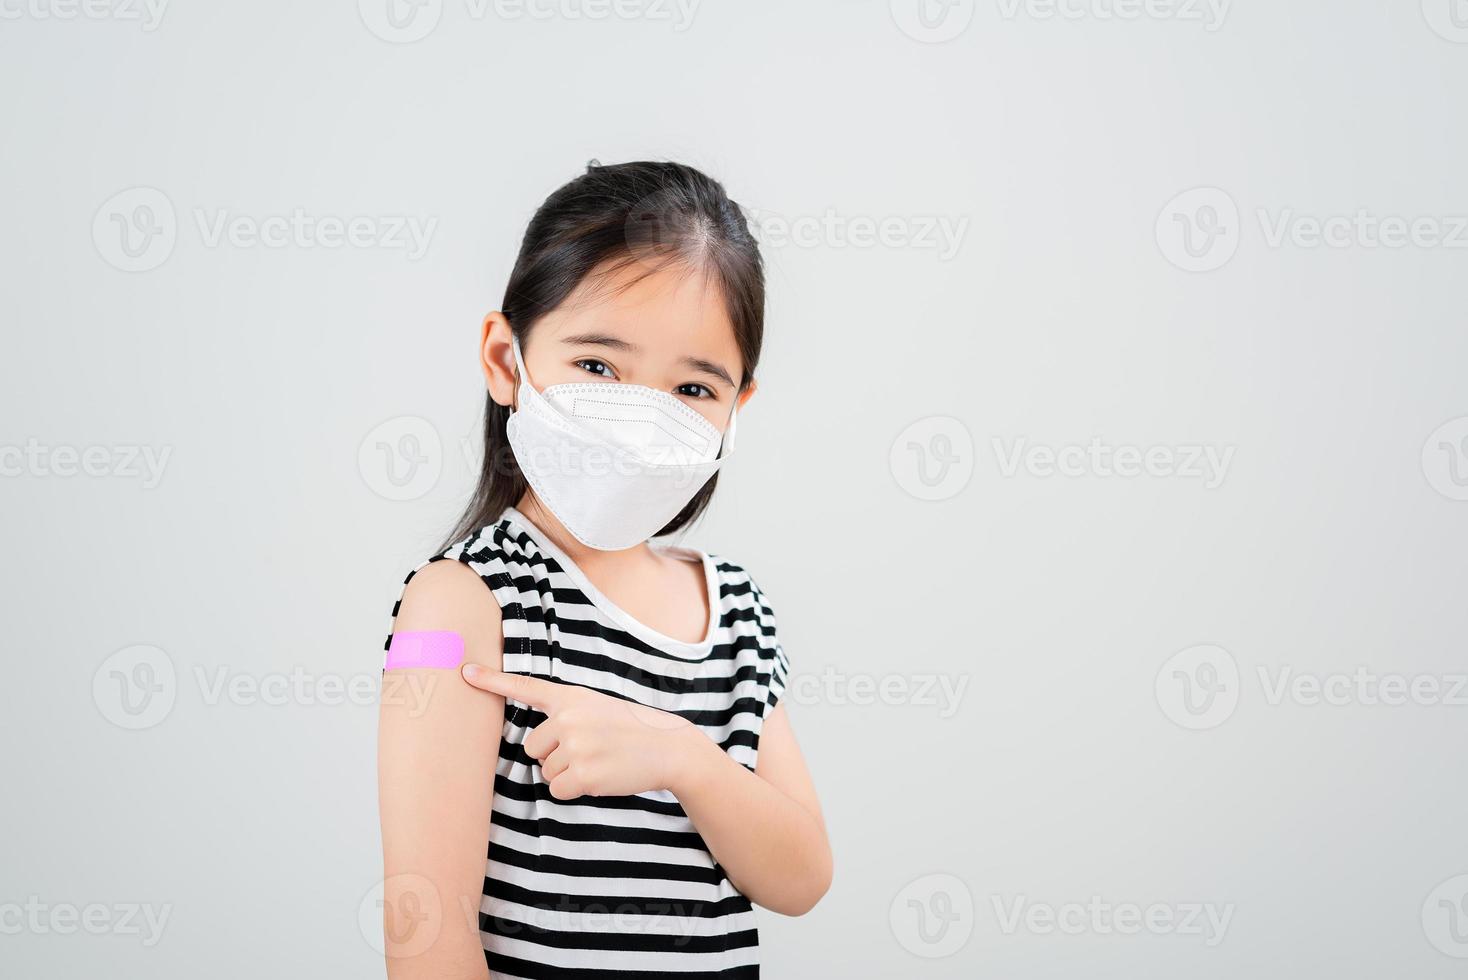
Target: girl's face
(668,330)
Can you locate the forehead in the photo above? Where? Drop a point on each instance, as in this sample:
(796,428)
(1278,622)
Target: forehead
(674,312)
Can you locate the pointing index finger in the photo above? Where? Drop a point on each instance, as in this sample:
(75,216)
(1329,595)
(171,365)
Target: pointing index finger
(518,687)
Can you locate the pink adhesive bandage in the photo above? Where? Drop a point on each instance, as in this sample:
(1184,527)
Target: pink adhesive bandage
(440,648)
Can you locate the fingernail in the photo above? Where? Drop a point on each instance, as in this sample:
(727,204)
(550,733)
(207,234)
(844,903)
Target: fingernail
(471,671)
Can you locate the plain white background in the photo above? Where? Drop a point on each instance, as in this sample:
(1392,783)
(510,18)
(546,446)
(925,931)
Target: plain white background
(1173,230)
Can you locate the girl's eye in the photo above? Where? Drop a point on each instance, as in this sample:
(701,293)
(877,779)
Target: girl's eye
(694,390)
(595,367)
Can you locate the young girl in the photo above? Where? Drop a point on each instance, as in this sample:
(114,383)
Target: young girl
(613,737)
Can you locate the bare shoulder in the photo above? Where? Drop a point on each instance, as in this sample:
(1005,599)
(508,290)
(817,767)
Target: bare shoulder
(450,596)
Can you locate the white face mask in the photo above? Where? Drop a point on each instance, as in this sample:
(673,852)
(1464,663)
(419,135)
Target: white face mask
(613,462)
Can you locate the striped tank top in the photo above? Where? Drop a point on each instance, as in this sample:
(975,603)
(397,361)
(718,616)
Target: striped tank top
(615,887)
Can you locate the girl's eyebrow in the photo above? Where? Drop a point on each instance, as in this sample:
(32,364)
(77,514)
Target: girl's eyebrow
(601,340)
(709,367)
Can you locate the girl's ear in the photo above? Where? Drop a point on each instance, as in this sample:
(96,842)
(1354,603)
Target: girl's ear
(746,394)
(497,358)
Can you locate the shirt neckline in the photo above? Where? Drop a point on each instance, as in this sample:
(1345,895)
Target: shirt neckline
(682,649)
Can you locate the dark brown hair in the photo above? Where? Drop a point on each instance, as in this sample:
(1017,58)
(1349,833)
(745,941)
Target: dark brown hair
(650,214)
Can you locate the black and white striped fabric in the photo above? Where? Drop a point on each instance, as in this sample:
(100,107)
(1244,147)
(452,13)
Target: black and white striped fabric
(604,887)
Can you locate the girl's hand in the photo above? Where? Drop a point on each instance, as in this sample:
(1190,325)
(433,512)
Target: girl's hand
(592,744)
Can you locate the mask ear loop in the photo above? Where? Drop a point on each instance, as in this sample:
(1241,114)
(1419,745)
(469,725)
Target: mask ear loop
(522,376)
(727,446)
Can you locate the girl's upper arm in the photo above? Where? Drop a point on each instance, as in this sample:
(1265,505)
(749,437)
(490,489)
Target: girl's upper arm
(438,743)
(781,764)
